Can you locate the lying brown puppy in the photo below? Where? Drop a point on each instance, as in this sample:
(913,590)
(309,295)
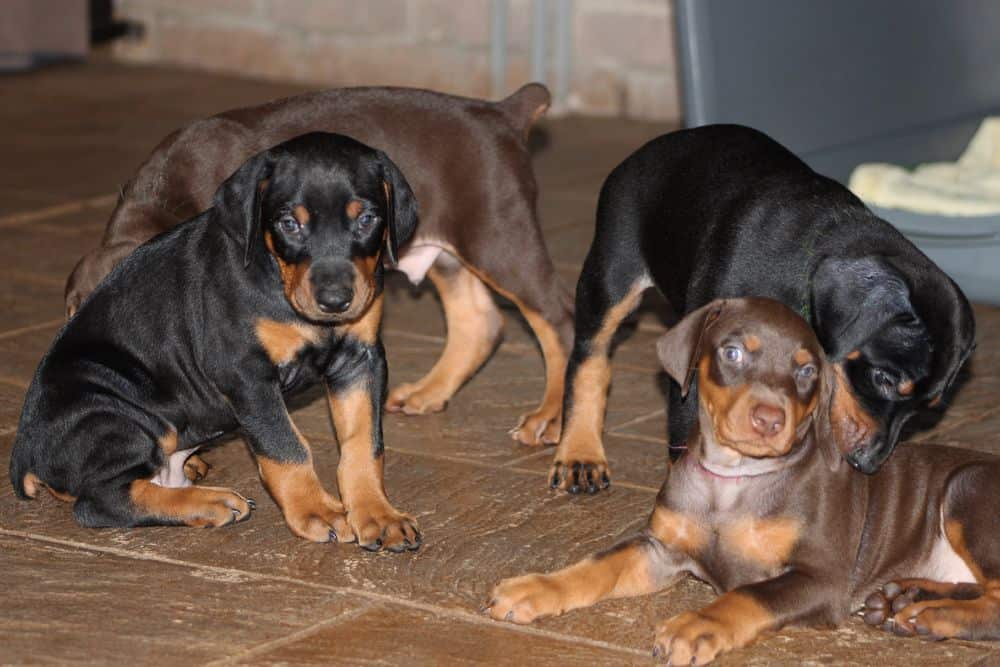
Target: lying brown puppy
(471,172)
(763,507)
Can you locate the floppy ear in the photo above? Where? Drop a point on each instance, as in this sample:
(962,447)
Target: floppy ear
(401,206)
(831,442)
(853,298)
(680,348)
(951,325)
(237,202)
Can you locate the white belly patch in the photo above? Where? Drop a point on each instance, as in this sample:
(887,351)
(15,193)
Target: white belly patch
(944,564)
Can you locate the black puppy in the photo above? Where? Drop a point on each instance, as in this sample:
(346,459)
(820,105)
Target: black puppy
(724,211)
(202,330)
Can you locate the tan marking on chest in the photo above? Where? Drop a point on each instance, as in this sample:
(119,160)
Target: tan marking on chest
(365,329)
(767,542)
(677,530)
(283,340)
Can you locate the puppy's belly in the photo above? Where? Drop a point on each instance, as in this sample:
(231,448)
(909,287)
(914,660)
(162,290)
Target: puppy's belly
(171,475)
(944,564)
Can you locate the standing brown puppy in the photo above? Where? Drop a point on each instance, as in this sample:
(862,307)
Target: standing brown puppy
(471,172)
(764,508)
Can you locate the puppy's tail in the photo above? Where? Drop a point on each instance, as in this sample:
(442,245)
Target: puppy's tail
(526,106)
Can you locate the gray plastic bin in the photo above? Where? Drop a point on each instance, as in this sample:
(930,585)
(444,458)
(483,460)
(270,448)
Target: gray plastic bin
(843,82)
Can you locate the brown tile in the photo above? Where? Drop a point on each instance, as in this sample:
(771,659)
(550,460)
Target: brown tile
(392,634)
(22,349)
(67,605)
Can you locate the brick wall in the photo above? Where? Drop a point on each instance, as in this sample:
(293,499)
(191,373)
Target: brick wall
(622,50)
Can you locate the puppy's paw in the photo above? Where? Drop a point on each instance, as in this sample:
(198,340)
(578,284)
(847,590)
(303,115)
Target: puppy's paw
(320,518)
(523,599)
(195,468)
(932,609)
(378,525)
(538,428)
(417,399)
(580,476)
(692,639)
(207,506)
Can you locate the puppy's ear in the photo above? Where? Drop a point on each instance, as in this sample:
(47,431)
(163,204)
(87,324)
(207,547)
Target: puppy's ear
(833,439)
(237,202)
(680,348)
(401,206)
(853,298)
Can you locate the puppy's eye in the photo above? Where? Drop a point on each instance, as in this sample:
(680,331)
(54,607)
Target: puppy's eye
(288,224)
(733,354)
(883,379)
(806,372)
(367,219)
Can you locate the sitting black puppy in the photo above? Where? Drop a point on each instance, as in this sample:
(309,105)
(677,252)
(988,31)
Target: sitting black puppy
(202,330)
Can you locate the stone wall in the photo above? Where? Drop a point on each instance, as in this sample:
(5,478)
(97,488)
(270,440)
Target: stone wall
(622,50)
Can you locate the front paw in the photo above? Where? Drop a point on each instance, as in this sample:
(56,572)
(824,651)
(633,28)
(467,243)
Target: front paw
(691,639)
(577,476)
(320,519)
(378,525)
(523,599)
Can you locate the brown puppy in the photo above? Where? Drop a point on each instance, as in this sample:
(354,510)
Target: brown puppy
(764,508)
(470,169)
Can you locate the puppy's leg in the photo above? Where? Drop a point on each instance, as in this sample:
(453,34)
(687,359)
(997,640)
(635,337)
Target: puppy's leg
(474,328)
(603,300)
(131,498)
(939,610)
(356,393)
(504,247)
(638,566)
(741,616)
(284,460)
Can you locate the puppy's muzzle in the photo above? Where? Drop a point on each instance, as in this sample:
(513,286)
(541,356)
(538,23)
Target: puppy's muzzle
(333,286)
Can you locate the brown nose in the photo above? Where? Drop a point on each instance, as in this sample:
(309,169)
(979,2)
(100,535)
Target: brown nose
(767,420)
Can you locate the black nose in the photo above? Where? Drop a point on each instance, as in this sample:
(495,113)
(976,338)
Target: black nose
(334,299)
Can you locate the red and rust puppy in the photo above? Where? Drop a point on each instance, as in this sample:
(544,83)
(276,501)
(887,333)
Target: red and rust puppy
(203,329)
(765,509)
(724,210)
(469,166)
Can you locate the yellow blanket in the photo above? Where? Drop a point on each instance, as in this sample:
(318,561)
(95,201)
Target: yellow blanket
(968,187)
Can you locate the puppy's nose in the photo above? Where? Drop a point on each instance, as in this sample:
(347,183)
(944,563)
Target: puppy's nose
(334,299)
(767,420)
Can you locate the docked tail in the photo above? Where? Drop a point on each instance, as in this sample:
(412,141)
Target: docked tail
(525,106)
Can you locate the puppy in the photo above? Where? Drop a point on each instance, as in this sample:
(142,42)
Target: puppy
(471,171)
(764,508)
(203,329)
(723,210)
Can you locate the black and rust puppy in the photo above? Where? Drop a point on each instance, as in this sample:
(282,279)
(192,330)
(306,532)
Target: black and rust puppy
(723,211)
(203,329)
(764,508)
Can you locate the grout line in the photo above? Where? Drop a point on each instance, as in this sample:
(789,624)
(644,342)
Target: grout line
(510,465)
(477,619)
(640,438)
(59,209)
(13,333)
(546,450)
(639,419)
(260,649)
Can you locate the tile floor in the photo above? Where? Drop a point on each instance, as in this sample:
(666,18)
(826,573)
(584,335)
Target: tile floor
(253,593)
